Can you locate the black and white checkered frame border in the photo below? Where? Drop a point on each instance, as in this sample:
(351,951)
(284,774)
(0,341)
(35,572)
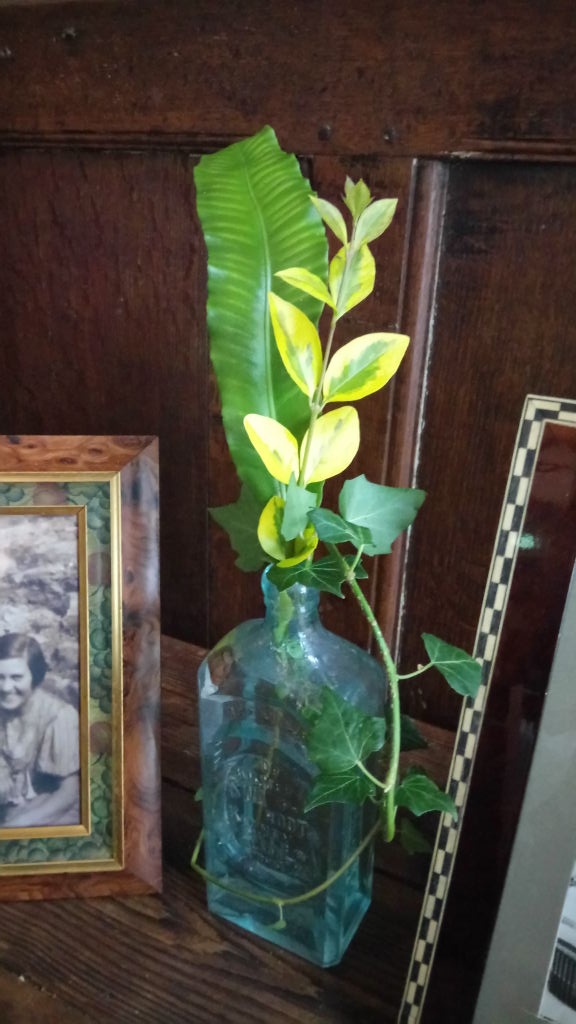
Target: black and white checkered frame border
(537,411)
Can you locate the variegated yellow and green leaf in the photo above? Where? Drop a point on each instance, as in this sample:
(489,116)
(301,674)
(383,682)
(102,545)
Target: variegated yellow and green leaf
(356,196)
(269,526)
(363,366)
(276,446)
(374,220)
(359,280)
(271,539)
(334,442)
(298,343)
(307,282)
(332,217)
(303,546)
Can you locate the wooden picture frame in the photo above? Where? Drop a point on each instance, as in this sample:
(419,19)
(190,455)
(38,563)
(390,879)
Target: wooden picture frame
(524,602)
(102,493)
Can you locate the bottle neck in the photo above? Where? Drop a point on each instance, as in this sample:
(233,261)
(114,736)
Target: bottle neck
(293,609)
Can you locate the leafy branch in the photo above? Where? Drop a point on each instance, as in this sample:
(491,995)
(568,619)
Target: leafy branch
(289,446)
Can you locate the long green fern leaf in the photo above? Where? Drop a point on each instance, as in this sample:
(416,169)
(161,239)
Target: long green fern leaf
(257,218)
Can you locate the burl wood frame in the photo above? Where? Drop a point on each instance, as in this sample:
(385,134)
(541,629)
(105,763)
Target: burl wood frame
(130,465)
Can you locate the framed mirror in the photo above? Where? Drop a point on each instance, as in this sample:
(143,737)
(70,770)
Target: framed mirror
(497,745)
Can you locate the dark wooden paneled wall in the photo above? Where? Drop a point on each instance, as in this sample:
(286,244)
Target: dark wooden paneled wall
(102,326)
(462,109)
(502,329)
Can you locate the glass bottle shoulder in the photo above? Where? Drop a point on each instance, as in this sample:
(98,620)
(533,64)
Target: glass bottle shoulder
(308,658)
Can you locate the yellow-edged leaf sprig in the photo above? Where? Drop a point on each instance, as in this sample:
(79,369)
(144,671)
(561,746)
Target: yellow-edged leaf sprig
(359,368)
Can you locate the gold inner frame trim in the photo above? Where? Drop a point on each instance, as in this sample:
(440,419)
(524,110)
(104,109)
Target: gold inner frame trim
(84,827)
(117,671)
(116,862)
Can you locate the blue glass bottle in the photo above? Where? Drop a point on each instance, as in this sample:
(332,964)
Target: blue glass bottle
(255,686)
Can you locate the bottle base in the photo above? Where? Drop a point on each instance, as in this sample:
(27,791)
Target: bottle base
(320,939)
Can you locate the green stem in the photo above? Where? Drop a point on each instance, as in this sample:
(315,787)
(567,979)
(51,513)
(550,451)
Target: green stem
(357,558)
(377,782)
(418,672)
(313,417)
(278,901)
(316,405)
(392,773)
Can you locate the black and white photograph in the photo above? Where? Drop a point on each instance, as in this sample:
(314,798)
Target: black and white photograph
(558,1004)
(39,670)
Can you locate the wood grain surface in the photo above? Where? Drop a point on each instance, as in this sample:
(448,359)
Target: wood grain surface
(141,673)
(408,387)
(417,79)
(22,1002)
(500,331)
(103,329)
(185,965)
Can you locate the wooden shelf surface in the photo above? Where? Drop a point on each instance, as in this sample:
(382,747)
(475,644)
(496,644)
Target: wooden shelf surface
(165,960)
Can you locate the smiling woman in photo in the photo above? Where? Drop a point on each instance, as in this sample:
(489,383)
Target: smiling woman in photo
(39,742)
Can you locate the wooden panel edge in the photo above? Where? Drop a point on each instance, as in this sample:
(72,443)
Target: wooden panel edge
(423,252)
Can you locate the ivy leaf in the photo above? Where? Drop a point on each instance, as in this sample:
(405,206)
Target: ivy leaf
(331,528)
(326,574)
(198,796)
(385,511)
(356,196)
(343,735)
(240,520)
(460,670)
(374,220)
(340,787)
(410,737)
(299,501)
(412,839)
(420,795)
